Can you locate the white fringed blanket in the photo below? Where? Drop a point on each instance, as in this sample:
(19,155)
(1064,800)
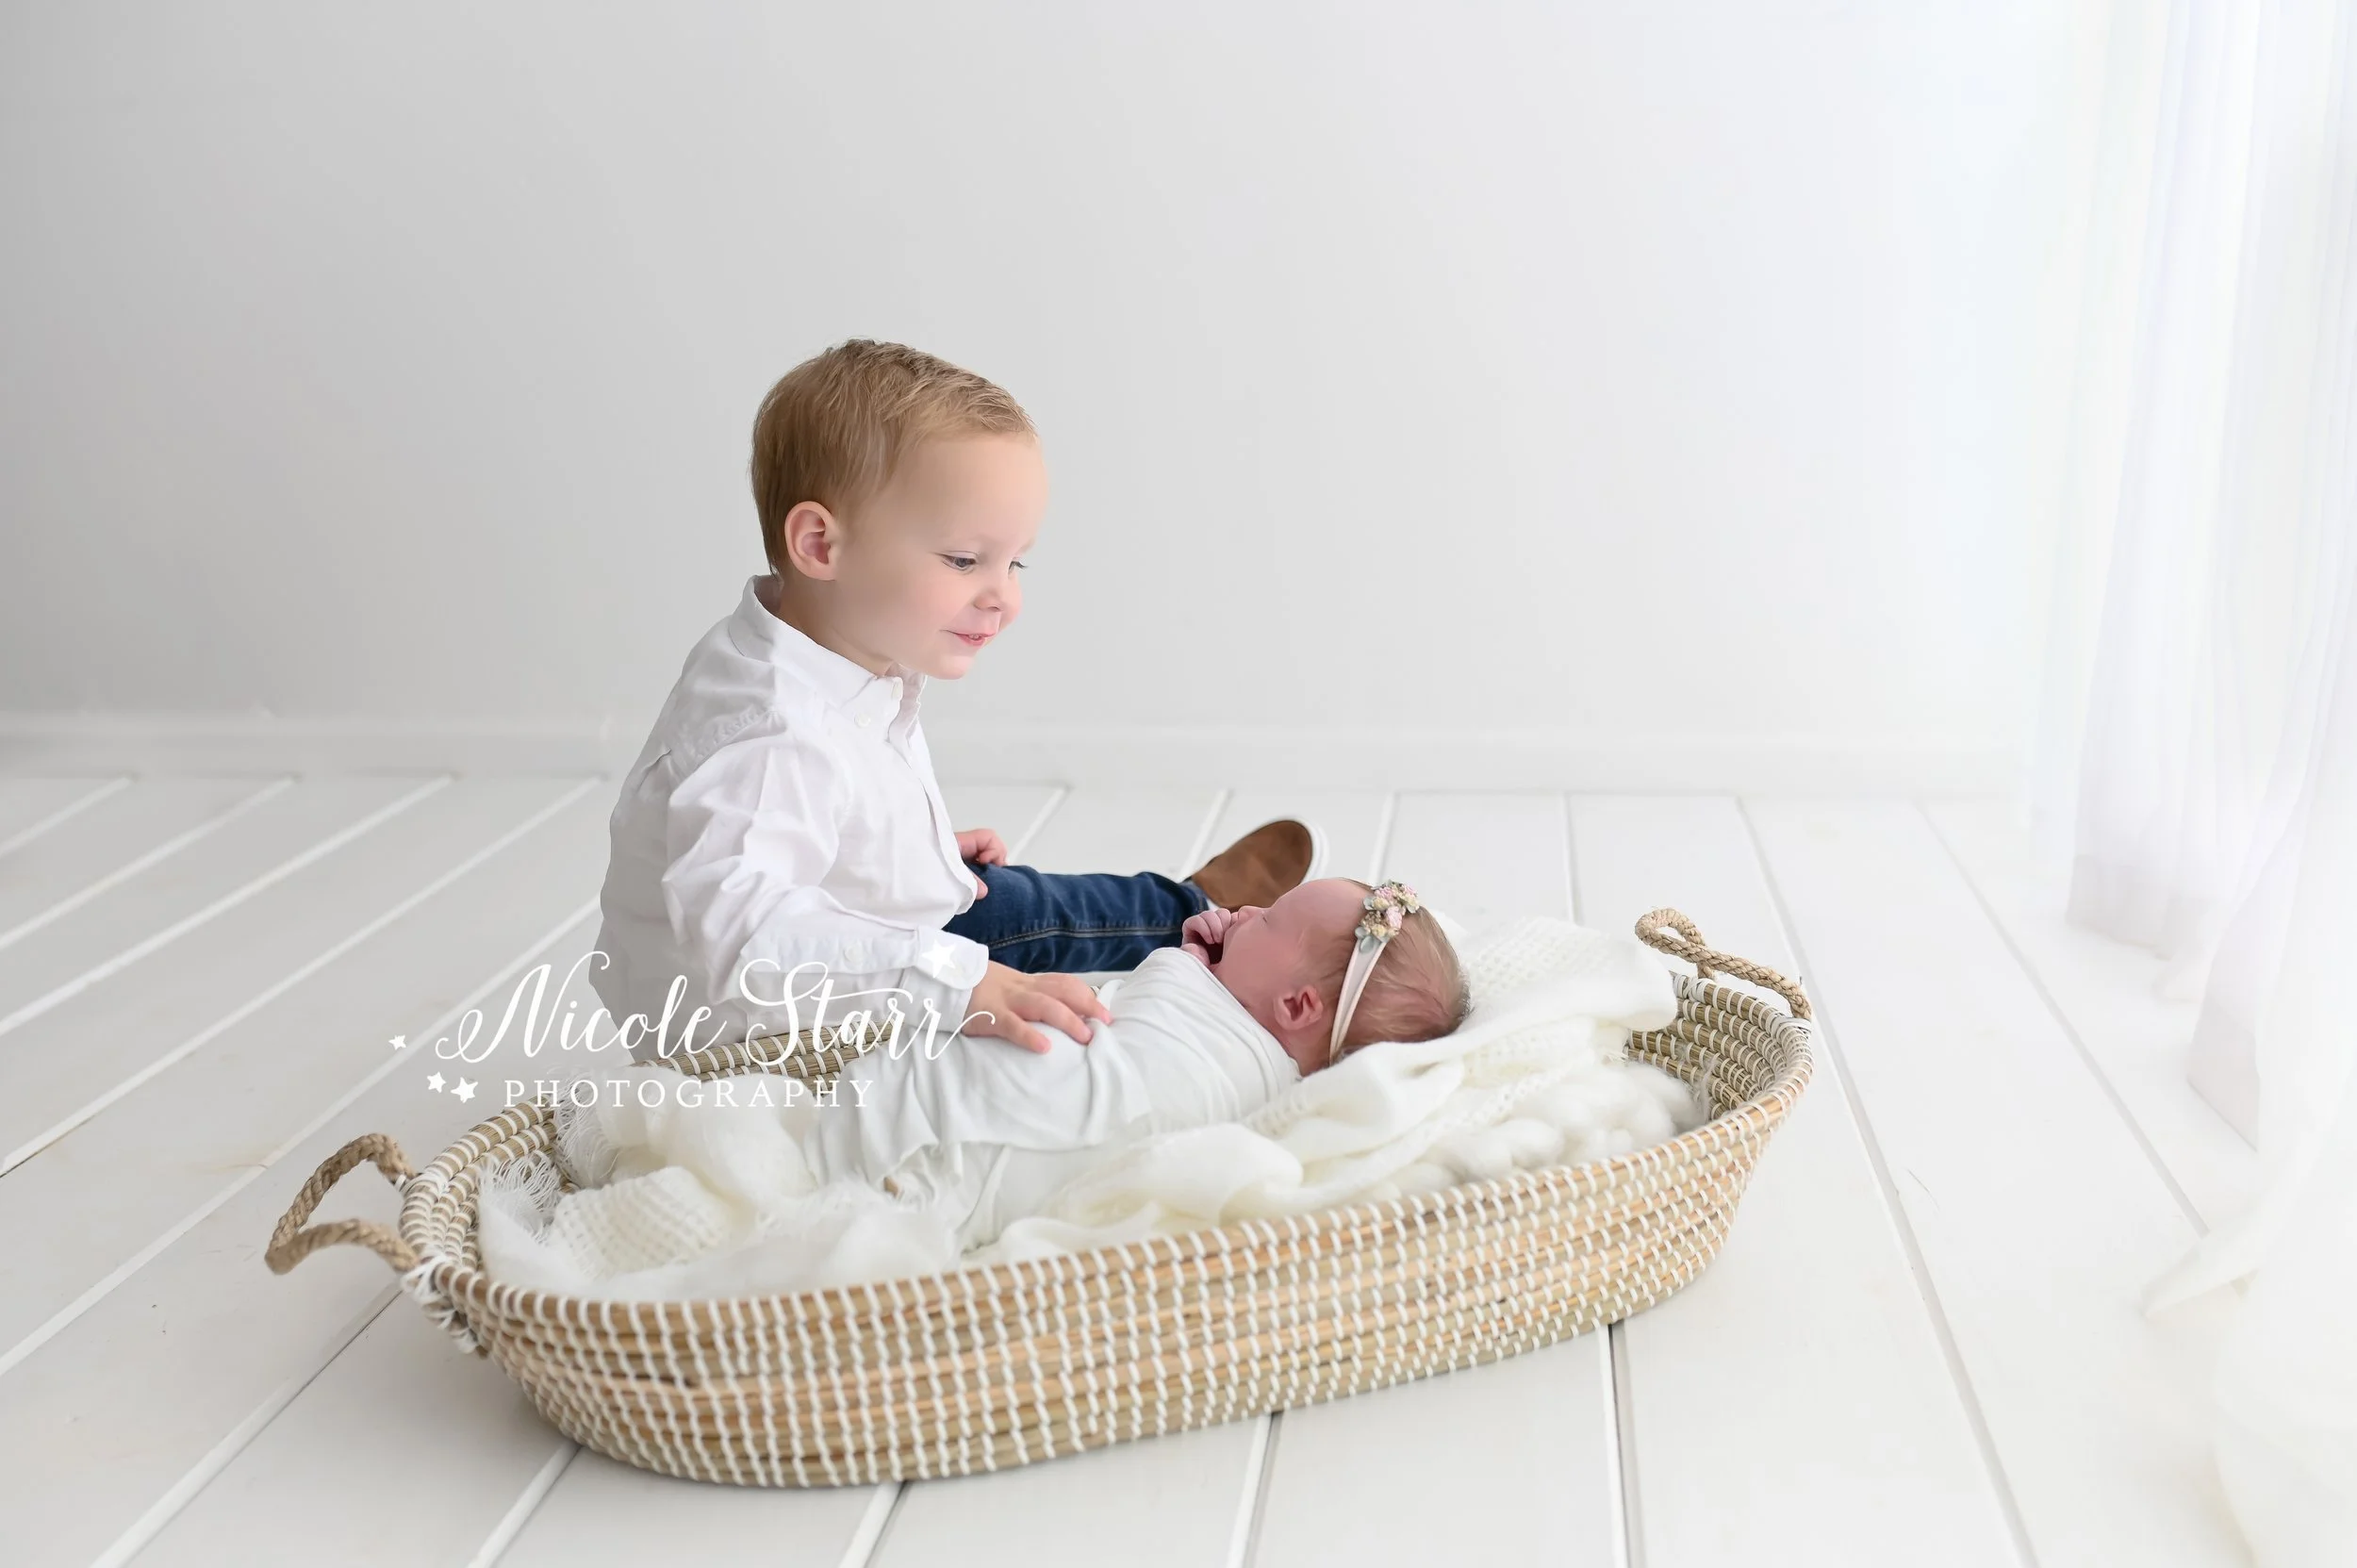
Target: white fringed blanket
(724,1204)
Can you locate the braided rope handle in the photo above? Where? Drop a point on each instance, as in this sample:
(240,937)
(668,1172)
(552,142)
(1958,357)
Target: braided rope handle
(1686,943)
(289,1244)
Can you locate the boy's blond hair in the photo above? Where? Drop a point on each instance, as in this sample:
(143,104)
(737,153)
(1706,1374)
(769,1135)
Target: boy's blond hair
(1416,991)
(836,426)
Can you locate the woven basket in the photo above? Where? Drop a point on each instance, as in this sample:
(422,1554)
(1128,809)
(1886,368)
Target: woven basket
(981,1369)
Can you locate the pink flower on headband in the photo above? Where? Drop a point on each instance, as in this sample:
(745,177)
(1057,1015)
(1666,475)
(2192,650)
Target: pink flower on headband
(1386,906)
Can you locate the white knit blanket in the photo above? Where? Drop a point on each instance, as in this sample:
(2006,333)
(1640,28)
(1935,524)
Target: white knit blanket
(1537,1076)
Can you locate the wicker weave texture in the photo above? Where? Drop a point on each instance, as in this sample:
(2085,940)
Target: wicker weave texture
(982,1369)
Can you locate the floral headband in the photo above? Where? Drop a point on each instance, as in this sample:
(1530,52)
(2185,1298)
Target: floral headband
(1385,907)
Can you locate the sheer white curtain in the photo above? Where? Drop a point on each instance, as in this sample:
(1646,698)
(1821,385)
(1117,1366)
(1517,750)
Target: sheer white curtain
(2196,761)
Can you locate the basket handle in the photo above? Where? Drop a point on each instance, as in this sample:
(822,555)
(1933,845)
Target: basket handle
(1686,943)
(290,1242)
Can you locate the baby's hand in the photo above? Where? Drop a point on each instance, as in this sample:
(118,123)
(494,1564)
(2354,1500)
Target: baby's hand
(1007,996)
(1206,932)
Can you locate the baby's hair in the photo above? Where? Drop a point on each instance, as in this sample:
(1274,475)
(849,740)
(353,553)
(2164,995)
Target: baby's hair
(834,428)
(1416,990)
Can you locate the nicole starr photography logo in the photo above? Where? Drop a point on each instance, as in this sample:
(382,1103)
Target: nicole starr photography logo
(531,1018)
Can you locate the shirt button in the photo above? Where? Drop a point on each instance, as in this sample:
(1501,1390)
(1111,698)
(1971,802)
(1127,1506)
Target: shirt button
(864,722)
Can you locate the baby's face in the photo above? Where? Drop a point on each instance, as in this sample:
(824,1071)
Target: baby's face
(935,559)
(1267,962)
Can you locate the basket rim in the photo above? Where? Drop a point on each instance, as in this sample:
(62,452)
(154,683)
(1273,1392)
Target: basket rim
(1758,1114)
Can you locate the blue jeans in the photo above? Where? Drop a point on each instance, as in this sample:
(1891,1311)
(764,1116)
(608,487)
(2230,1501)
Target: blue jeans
(1076,922)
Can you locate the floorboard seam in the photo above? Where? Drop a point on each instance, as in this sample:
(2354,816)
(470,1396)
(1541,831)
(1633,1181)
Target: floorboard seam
(1620,1395)
(90,1298)
(1621,1386)
(1198,849)
(1253,1507)
(2061,1021)
(201,1474)
(59,995)
(875,1525)
(195,833)
(83,1114)
(527,1503)
(64,814)
(1039,820)
(1384,820)
(1836,1064)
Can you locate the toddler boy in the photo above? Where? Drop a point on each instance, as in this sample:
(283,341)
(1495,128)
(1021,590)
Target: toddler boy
(783,812)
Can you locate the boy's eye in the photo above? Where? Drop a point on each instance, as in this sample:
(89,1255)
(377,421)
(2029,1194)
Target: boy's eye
(963,563)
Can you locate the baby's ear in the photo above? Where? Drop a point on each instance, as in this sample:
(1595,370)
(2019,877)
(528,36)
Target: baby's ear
(1300,1006)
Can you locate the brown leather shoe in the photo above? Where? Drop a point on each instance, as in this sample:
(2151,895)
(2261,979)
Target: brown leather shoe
(1266,863)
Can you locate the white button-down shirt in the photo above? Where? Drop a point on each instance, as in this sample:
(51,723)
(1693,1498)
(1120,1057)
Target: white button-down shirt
(783,811)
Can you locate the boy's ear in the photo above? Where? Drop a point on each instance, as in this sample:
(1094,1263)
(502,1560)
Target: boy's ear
(808,537)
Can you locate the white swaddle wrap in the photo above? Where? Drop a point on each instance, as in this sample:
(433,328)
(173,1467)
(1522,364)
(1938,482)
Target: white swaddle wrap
(980,1131)
(1181,1052)
(985,1131)
(1184,1112)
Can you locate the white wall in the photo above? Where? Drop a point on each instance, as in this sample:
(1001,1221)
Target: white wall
(1672,381)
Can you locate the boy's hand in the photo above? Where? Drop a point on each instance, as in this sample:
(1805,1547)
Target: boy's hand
(1007,996)
(981,844)
(984,844)
(1206,932)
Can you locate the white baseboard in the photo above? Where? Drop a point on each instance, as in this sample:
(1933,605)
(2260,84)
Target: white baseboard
(263,743)
(1445,759)
(1074,754)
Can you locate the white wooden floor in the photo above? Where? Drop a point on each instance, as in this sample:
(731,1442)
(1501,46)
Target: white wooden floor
(1921,1346)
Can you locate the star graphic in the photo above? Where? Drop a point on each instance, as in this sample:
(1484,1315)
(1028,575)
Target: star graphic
(939,957)
(435,1082)
(464,1090)
(401,1042)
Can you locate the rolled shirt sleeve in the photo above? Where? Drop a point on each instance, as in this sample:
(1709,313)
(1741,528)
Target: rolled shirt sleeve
(750,834)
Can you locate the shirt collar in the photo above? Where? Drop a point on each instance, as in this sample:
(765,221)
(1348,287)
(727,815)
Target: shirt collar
(848,684)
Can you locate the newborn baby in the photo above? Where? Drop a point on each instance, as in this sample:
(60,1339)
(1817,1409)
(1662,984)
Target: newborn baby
(1203,1032)
(981,1133)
